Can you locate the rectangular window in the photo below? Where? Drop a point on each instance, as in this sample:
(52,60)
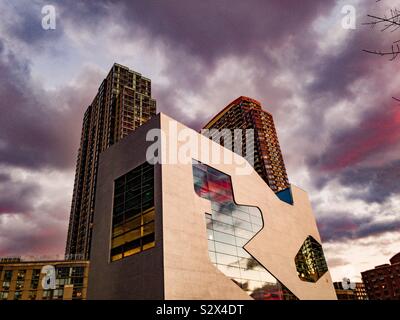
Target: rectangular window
(3,295)
(35,278)
(20,280)
(77,293)
(133,226)
(17,295)
(8,275)
(7,279)
(47,294)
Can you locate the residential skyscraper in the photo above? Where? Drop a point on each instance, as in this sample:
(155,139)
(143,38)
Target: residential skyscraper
(122,104)
(247,113)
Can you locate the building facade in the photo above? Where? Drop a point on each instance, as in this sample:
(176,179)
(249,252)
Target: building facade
(23,280)
(247,113)
(195,229)
(122,104)
(383,282)
(354,291)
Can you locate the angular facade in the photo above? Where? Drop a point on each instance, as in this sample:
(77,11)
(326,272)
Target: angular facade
(122,104)
(247,113)
(194,229)
(23,280)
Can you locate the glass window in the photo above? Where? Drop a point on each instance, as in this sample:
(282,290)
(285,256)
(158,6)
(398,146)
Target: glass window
(47,294)
(3,295)
(310,261)
(58,294)
(224,237)
(62,272)
(77,271)
(20,280)
(77,293)
(227,260)
(133,213)
(17,295)
(6,285)
(35,274)
(8,275)
(229,228)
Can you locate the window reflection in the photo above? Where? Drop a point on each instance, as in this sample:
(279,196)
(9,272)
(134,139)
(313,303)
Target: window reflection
(133,213)
(229,228)
(310,261)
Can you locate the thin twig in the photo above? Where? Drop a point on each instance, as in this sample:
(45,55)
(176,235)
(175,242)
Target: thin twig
(394,53)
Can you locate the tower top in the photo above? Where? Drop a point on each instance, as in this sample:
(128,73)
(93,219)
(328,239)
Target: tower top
(228,107)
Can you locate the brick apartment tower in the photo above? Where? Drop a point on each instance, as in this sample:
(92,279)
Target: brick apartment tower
(246,113)
(383,282)
(122,104)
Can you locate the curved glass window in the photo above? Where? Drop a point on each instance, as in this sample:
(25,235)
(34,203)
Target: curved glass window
(229,228)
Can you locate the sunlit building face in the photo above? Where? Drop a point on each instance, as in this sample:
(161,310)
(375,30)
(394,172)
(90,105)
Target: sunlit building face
(229,228)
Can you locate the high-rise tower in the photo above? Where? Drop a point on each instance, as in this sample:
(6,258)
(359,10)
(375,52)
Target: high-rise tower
(122,104)
(246,113)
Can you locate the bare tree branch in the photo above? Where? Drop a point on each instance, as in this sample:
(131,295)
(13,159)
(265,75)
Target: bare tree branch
(394,52)
(392,23)
(397,99)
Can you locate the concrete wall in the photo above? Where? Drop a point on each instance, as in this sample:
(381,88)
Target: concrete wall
(189,273)
(139,276)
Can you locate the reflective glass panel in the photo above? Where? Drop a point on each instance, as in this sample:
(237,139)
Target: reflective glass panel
(310,261)
(133,212)
(229,228)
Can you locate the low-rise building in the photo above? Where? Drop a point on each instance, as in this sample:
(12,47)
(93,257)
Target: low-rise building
(354,291)
(27,280)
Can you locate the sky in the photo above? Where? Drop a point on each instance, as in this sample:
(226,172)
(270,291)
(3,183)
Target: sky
(338,126)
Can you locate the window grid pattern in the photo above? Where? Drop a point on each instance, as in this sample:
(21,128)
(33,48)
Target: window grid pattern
(133,213)
(7,280)
(35,278)
(310,261)
(229,228)
(66,276)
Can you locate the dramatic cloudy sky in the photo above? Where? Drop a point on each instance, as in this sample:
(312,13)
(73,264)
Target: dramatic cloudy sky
(339,129)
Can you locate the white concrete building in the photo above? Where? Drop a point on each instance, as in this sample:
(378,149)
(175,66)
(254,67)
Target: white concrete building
(196,228)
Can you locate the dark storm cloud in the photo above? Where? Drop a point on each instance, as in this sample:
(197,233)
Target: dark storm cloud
(382,182)
(209,29)
(342,226)
(377,133)
(198,34)
(27,125)
(38,129)
(25,23)
(4,177)
(336,72)
(16,197)
(35,238)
